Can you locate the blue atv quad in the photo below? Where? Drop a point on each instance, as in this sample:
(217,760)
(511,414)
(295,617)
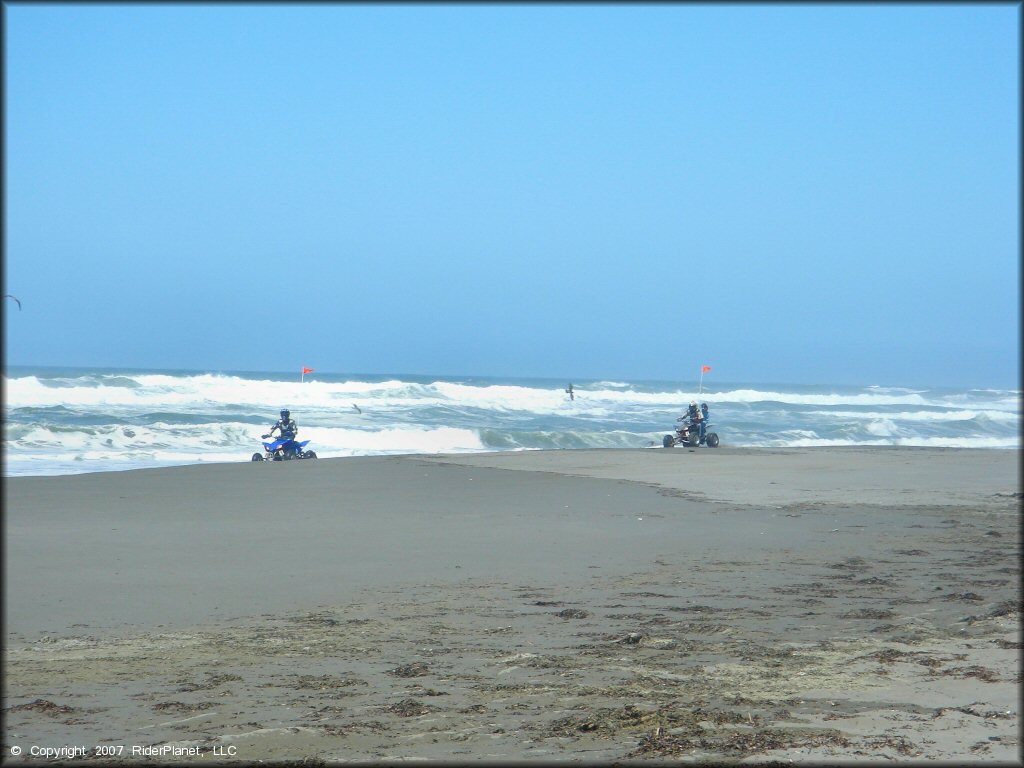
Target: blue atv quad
(283,450)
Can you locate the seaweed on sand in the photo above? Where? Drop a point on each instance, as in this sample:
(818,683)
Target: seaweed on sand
(735,742)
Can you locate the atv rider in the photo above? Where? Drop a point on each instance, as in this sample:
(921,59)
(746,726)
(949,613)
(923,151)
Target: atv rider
(289,429)
(687,421)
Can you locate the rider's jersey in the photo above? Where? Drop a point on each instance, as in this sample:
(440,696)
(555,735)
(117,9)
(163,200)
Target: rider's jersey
(289,429)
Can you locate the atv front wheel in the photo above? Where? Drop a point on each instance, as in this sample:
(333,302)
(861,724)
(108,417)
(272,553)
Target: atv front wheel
(667,441)
(257,457)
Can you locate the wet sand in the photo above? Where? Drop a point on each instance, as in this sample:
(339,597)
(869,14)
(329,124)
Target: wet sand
(810,605)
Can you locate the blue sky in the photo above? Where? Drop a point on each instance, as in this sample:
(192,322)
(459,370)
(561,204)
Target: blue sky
(804,194)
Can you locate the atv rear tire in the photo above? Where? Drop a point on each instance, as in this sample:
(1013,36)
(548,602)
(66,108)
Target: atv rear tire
(667,441)
(712,439)
(257,457)
(309,455)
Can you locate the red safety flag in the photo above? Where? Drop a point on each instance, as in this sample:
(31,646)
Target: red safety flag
(705,368)
(306,370)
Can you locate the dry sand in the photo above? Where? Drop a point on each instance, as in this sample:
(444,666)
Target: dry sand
(808,605)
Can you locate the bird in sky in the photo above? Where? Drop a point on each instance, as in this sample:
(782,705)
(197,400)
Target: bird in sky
(16,299)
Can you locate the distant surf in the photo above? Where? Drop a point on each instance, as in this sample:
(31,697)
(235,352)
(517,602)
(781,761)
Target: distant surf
(70,420)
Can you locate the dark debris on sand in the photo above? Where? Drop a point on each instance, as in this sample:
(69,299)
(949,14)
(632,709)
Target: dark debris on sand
(415,669)
(661,743)
(325,682)
(410,708)
(179,707)
(42,706)
(572,613)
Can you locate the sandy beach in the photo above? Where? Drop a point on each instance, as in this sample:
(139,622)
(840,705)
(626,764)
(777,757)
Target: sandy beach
(753,605)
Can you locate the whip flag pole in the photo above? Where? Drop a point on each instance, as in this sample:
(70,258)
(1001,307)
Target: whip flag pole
(703,369)
(305,370)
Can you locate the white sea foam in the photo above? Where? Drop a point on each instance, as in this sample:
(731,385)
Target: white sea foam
(954,415)
(882,428)
(830,398)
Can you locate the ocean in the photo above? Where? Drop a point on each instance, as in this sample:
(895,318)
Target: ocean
(72,420)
